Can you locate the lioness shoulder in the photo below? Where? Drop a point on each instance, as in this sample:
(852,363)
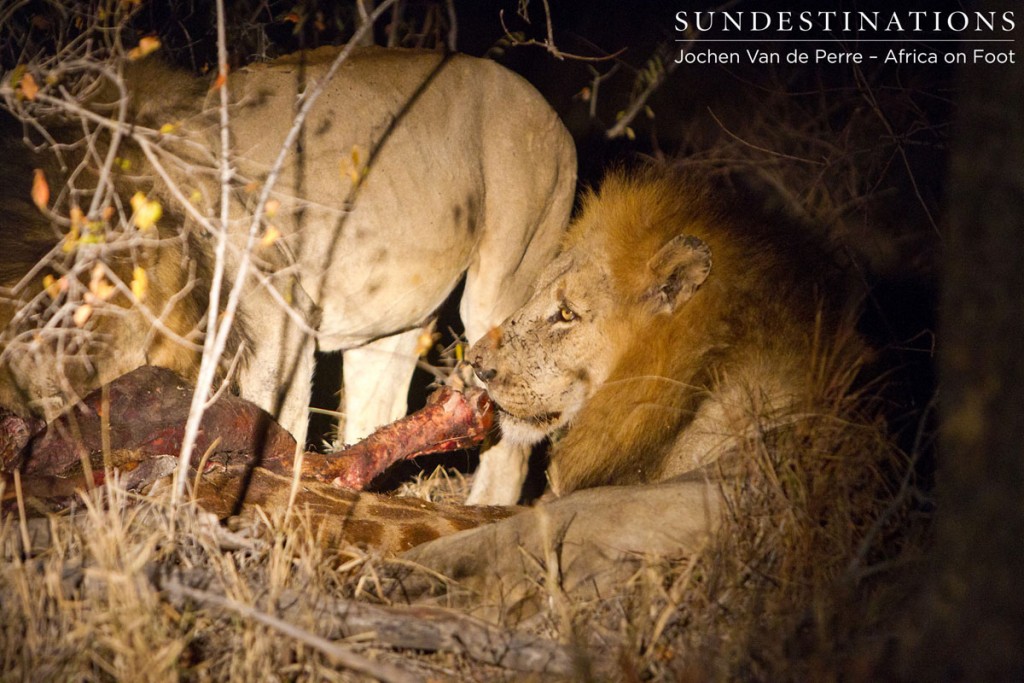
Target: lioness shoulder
(675,320)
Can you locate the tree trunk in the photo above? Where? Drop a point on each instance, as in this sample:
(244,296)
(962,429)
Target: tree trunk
(971,622)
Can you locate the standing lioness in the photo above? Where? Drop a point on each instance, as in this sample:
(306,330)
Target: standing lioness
(674,322)
(413,170)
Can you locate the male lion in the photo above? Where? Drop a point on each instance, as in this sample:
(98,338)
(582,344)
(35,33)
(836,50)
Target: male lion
(413,170)
(680,335)
(674,322)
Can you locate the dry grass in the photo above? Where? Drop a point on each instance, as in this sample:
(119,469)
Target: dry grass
(794,586)
(802,580)
(93,602)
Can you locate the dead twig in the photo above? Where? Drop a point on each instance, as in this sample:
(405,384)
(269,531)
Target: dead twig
(416,628)
(549,42)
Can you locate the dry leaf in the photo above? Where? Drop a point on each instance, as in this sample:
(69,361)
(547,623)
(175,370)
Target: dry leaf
(140,283)
(425,342)
(147,212)
(28,87)
(53,286)
(98,285)
(40,189)
(270,236)
(94,233)
(146,46)
(82,315)
(71,240)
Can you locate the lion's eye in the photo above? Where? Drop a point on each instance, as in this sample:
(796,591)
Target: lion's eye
(566,314)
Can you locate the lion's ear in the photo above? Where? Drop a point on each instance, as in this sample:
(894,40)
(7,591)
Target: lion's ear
(677,270)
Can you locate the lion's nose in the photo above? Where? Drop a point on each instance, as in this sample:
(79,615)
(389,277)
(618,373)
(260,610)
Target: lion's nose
(480,368)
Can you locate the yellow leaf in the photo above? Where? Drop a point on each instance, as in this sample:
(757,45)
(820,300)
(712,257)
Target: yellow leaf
(28,87)
(77,218)
(94,233)
(82,315)
(71,240)
(272,207)
(270,236)
(167,128)
(146,46)
(40,189)
(147,212)
(195,197)
(424,343)
(51,286)
(140,283)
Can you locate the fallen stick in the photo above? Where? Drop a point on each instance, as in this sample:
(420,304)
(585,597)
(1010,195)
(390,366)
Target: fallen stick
(340,654)
(413,628)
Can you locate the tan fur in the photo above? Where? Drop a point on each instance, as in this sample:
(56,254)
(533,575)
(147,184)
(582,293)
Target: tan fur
(667,363)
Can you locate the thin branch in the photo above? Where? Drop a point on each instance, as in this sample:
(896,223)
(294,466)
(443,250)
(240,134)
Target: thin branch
(549,42)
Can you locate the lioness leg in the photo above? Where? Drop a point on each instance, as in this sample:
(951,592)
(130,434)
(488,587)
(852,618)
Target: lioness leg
(376,383)
(278,375)
(500,476)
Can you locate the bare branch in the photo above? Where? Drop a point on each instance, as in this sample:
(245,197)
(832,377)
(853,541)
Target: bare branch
(341,654)
(549,42)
